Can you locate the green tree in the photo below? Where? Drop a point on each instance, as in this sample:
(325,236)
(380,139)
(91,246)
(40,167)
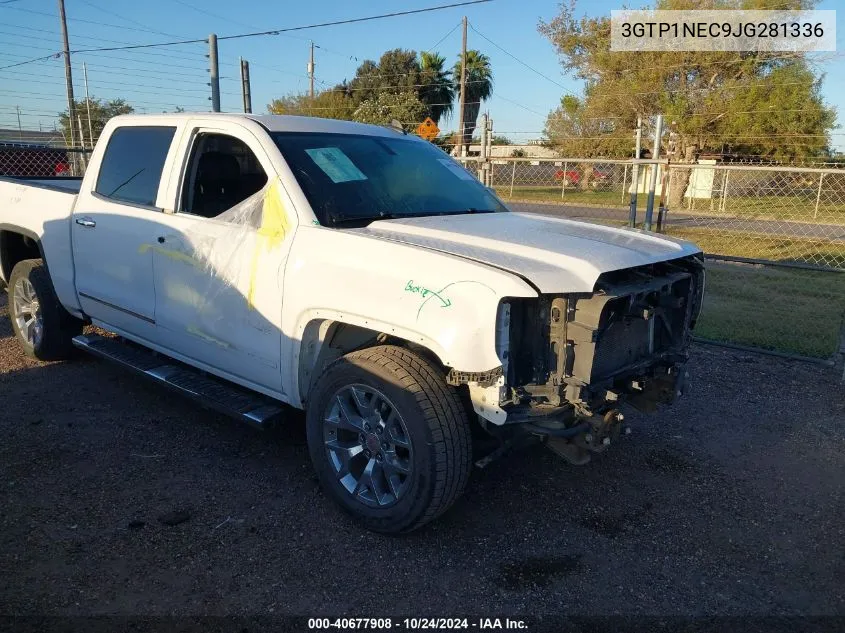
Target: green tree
(479,86)
(756,102)
(437,90)
(573,132)
(101,112)
(397,71)
(386,107)
(498,139)
(329,104)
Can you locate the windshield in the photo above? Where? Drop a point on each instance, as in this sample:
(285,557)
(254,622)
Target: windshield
(356,179)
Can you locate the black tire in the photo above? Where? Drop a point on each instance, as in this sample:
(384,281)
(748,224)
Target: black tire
(58,325)
(437,426)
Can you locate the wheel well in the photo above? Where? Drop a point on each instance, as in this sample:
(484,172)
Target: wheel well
(326,340)
(15,247)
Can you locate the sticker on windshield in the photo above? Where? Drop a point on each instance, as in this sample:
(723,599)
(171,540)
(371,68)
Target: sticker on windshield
(335,164)
(456,169)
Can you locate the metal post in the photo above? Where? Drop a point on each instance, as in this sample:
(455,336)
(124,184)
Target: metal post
(68,74)
(723,193)
(482,165)
(245,87)
(81,134)
(88,105)
(214,72)
(652,182)
(83,157)
(461,126)
(487,162)
(624,182)
(635,175)
(311,72)
(513,176)
(818,194)
(661,210)
(563,180)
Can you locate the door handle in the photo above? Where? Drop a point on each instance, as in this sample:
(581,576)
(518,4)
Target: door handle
(86,222)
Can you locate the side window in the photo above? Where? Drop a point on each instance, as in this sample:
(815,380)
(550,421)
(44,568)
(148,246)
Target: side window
(222,172)
(132,164)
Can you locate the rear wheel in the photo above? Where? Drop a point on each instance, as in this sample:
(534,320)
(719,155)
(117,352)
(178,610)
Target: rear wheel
(42,325)
(390,440)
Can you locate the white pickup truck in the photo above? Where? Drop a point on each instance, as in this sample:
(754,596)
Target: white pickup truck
(261,262)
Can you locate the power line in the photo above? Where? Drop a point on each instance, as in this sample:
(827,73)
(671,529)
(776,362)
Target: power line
(171,54)
(516,103)
(125,19)
(83,21)
(30,61)
(442,39)
(214,15)
(529,67)
(292,28)
(149,72)
(365,19)
(399,105)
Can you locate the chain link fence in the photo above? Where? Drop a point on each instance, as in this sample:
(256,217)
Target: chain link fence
(767,213)
(25,160)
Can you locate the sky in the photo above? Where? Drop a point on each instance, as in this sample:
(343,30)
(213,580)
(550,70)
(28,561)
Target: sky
(159,79)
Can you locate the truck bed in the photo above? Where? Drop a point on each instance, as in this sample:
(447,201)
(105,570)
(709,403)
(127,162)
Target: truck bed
(40,209)
(57,183)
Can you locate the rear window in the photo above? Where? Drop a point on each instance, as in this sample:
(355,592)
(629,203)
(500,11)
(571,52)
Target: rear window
(132,164)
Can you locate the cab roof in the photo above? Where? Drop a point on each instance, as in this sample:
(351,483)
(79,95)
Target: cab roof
(273,122)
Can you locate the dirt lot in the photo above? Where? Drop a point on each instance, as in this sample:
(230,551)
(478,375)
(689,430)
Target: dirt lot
(730,502)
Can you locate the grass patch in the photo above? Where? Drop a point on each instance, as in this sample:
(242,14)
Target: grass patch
(764,246)
(783,208)
(573,195)
(798,311)
(790,208)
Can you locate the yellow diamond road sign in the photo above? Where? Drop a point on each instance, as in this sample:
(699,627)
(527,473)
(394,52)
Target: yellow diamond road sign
(428,129)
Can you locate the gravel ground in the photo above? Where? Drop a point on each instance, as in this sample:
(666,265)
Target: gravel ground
(120,498)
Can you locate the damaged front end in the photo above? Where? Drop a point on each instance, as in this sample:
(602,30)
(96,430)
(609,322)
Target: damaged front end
(570,361)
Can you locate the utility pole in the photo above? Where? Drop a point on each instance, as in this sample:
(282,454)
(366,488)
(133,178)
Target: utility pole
(68,75)
(311,72)
(214,72)
(245,86)
(461,132)
(20,129)
(652,184)
(88,104)
(635,175)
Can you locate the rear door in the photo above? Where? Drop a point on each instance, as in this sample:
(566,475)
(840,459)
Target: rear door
(114,227)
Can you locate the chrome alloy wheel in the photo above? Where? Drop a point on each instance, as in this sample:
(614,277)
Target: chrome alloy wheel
(368,445)
(27,312)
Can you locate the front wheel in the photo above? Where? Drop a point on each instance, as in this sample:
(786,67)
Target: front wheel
(43,327)
(389,439)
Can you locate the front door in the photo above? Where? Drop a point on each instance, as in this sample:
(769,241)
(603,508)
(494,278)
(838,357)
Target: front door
(113,227)
(219,265)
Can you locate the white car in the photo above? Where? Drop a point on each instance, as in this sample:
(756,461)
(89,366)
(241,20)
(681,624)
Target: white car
(358,273)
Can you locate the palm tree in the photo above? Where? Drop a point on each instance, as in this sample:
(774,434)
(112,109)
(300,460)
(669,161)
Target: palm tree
(479,86)
(437,91)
